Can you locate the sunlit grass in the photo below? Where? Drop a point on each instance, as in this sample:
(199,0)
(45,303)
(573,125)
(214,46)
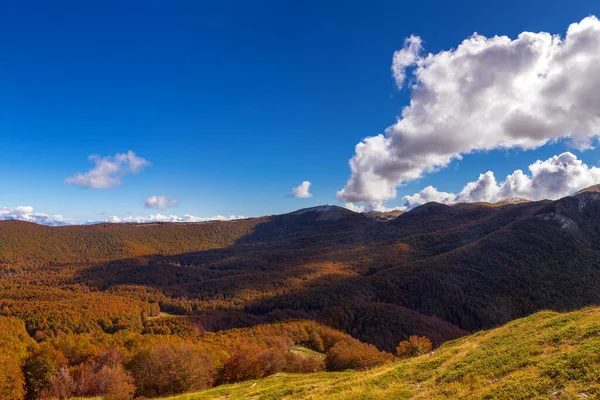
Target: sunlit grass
(301,350)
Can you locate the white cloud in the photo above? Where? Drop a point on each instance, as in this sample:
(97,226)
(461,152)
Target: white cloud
(159,202)
(485,94)
(170,218)
(406,57)
(553,178)
(371,207)
(301,191)
(426,195)
(484,189)
(108,171)
(354,207)
(26,213)
(382,208)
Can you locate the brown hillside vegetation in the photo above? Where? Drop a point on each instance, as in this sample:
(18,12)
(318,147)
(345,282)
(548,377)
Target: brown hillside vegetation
(13,349)
(109,305)
(120,365)
(436,271)
(27,244)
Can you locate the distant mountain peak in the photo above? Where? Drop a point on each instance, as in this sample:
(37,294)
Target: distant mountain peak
(384,215)
(318,209)
(326,212)
(513,200)
(590,189)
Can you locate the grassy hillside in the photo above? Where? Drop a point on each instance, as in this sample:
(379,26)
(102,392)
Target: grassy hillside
(546,355)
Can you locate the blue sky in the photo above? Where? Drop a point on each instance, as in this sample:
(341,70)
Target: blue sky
(233,103)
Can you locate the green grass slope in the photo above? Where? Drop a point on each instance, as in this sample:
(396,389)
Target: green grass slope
(547,355)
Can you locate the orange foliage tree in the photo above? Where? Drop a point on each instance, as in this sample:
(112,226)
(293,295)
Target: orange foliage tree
(414,346)
(352,354)
(170,369)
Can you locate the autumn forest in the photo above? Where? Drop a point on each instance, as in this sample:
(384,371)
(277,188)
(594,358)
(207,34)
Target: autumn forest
(132,310)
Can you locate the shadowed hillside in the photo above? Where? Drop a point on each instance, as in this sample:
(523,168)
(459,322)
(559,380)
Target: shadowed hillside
(436,271)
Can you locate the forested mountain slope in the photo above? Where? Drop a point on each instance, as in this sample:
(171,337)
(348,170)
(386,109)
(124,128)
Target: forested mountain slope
(437,271)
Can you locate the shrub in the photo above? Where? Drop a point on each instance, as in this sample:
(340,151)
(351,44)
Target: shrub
(113,383)
(104,377)
(304,363)
(60,386)
(272,361)
(243,364)
(170,369)
(355,355)
(414,346)
(315,341)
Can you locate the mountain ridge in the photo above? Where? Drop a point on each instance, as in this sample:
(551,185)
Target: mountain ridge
(327,209)
(593,188)
(437,270)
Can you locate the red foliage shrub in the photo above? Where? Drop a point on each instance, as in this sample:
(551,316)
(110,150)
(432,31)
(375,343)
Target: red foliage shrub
(355,355)
(315,341)
(304,363)
(243,364)
(171,369)
(104,377)
(414,346)
(60,385)
(272,361)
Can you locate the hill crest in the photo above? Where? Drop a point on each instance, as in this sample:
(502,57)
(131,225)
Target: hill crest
(589,189)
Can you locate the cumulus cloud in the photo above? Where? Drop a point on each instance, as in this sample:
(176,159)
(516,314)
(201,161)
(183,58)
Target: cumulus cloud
(487,93)
(108,171)
(159,202)
(426,195)
(354,207)
(553,178)
(26,213)
(406,57)
(301,191)
(371,207)
(170,218)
